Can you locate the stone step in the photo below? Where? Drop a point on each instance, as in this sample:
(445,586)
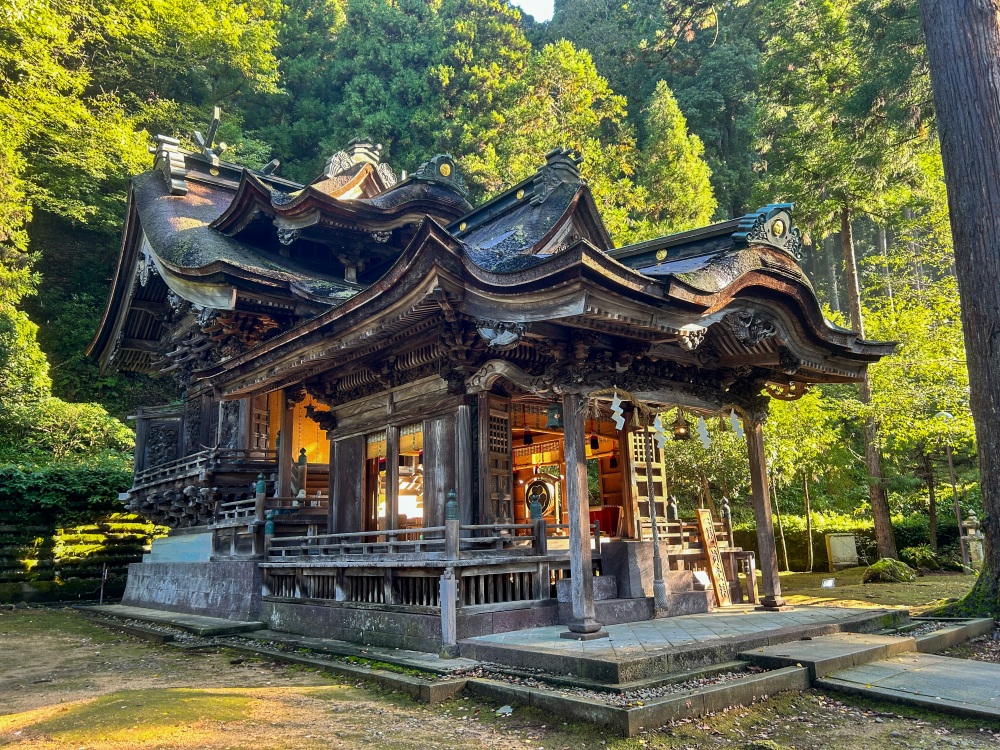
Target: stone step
(956,686)
(830,653)
(605,587)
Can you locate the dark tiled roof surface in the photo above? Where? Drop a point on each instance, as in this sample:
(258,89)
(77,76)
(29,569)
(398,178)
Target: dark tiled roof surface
(415,190)
(177,229)
(504,244)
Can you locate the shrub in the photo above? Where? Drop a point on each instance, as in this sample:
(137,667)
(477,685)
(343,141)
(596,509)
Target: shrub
(921,556)
(888,570)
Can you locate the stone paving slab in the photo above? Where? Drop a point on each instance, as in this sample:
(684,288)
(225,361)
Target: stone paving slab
(197,624)
(830,653)
(940,683)
(638,650)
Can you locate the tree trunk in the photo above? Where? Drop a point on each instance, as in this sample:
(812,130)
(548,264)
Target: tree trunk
(777,517)
(931,501)
(918,266)
(963,46)
(832,270)
(884,540)
(809,523)
(883,250)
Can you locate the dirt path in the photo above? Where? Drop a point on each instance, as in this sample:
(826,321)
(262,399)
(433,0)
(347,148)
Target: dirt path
(67,684)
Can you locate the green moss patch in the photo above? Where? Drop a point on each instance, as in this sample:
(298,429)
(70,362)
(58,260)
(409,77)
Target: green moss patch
(888,570)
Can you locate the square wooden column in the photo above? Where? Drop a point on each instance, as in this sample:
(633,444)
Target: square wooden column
(767,559)
(285,456)
(582,625)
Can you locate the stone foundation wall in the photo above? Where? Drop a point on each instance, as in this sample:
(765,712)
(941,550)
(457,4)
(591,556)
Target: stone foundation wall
(415,628)
(229,589)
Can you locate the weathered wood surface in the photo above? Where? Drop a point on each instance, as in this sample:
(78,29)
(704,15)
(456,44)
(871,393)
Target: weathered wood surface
(347,484)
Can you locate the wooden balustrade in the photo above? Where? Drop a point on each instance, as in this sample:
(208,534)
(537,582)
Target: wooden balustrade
(431,540)
(204,461)
(480,583)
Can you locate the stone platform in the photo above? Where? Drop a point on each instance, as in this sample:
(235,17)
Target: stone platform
(638,650)
(196,624)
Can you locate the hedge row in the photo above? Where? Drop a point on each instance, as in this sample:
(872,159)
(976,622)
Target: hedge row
(910,531)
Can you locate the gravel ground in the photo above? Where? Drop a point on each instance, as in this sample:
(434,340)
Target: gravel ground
(923,628)
(984,648)
(622,700)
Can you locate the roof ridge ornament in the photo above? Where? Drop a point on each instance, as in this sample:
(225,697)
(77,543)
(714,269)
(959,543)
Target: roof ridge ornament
(443,169)
(170,161)
(360,151)
(771,225)
(562,165)
(206,143)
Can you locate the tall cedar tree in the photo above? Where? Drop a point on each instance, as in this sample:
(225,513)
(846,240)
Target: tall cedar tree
(963,45)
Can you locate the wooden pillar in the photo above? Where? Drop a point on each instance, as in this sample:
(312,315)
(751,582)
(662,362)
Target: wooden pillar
(391,477)
(347,486)
(768,552)
(463,463)
(141,436)
(285,448)
(583,624)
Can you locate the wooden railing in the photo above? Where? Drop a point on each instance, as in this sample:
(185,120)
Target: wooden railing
(432,541)
(202,462)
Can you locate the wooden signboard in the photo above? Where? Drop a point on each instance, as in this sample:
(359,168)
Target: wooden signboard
(716,569)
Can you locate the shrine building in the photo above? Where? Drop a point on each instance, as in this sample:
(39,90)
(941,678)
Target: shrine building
(392,397)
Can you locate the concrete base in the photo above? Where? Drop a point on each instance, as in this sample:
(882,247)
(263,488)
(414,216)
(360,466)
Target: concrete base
(229,590)
(193,546)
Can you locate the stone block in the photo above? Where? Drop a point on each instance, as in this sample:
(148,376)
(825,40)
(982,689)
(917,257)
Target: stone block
(605,587)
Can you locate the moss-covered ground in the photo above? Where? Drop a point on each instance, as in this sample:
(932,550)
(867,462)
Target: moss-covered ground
(925,593)
(66,684)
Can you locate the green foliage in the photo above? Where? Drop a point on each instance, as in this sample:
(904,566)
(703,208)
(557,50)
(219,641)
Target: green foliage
(24,372)
(673,172)
(63,493)
(888,570)
(921,556)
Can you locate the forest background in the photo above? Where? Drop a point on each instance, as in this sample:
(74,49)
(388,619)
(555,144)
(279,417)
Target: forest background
(684,111)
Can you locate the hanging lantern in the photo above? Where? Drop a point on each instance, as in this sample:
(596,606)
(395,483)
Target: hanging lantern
(528,437)
(614,460)
(681,427)
(595,443)
(553,416)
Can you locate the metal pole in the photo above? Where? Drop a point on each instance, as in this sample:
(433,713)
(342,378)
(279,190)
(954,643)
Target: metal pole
(958,512)
(660,605)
